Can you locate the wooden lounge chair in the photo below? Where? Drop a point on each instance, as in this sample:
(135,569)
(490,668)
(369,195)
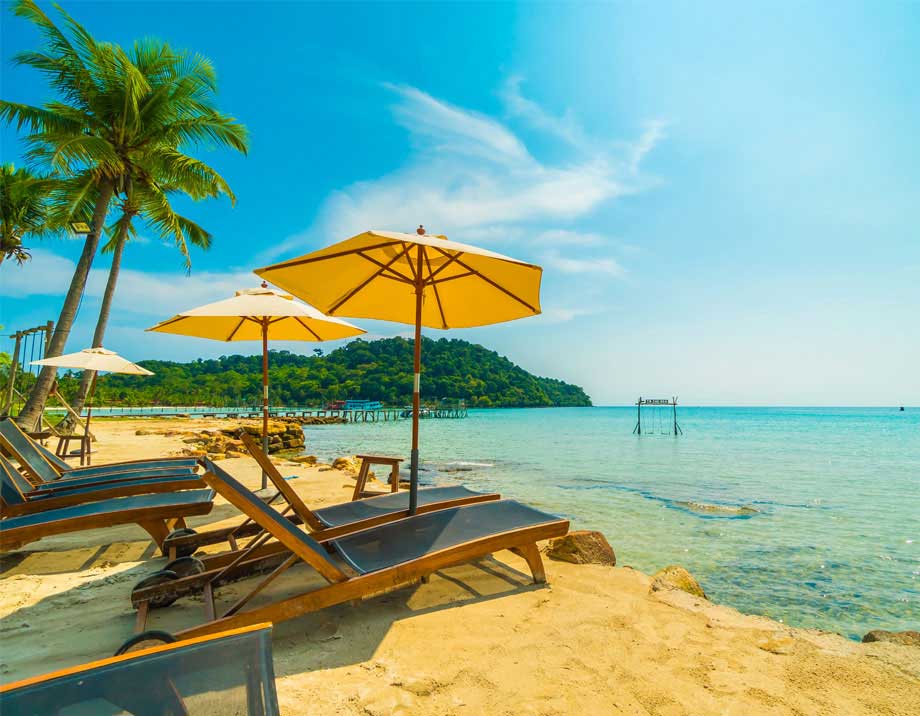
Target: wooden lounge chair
(379,558)
(345,517)
(227,673)
(21,498)
(42,466)
(157,514)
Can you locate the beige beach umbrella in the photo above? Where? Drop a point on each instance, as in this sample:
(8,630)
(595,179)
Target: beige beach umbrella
(98,360)
(258,314)
(416,279)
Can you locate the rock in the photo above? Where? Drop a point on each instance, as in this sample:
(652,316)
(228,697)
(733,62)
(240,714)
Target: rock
(346,464)
(907,638)
(234,453)
(191,441)
(777,644)
(143,432)
(216,456)
(676,577)
(582,547)
(304,459)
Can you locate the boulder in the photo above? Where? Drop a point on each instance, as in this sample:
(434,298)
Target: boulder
(143,432)
(582,547)
(907,638)
(234,453)
(304,459)
(347,464)
(676,577)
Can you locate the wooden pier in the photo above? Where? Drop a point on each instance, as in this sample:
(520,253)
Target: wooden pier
(349,416)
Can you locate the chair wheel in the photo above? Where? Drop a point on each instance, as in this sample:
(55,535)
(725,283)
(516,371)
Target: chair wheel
(164,576)
(145,639)
(185,566)
(184,551)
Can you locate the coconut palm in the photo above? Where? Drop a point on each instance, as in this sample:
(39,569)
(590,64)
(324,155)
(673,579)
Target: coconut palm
(24,203)
(121,116)
(144,202)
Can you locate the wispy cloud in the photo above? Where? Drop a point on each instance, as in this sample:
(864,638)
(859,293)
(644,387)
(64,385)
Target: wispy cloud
(139,292)
(516,104)
(471,176)
(571,264)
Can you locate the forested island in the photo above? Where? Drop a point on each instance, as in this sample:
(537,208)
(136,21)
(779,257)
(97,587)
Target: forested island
(375,370)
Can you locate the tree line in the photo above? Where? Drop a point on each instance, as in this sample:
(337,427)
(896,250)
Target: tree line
(381,370)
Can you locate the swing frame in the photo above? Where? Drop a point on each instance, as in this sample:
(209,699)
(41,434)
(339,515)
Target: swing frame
(658,403)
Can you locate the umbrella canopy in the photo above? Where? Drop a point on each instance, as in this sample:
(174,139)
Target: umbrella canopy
(258,314)
(244,317)
(97,359)
(417,279)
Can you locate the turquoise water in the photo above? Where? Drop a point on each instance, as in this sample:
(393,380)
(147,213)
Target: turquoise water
(835,539)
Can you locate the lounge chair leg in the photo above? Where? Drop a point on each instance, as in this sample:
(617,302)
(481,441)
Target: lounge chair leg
(531,553)
(141,620)
(157,529)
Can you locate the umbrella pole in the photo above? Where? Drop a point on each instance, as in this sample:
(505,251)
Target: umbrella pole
(417,369)
(264,395)
(87,443)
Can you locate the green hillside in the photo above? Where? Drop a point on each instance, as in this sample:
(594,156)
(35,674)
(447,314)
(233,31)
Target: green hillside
(375,370)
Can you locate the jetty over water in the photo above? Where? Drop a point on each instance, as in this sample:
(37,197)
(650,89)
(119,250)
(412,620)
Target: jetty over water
(349,415)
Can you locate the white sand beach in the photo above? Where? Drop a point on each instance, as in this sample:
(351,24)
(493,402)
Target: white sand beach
(476,639)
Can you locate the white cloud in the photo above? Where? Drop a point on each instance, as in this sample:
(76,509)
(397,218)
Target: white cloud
(571,264)
(558,314)
(565,127)
(138,292)
(470,177)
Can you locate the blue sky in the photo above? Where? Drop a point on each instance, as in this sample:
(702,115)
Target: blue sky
(724,198)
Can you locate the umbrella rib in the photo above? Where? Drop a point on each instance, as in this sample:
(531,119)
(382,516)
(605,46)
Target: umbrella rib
(167,322)
(312,259)
(451,258)
(238,326)
(437,296)
(451,278)
(314,333)
(351,294)
(496,285)
(396,275)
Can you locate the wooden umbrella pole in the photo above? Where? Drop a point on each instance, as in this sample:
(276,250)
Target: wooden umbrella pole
(264,395)
(417,369)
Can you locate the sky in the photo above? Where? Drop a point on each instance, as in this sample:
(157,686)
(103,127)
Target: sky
(724,196)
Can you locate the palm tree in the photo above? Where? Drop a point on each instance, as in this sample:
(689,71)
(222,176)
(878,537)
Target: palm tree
(120,116)
(24,203)
(139,201)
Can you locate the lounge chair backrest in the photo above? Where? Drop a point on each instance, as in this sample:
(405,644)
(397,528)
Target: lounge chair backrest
(59,464)
(282,529)
(26,451)
(282,485)
(9,490)
(229,672)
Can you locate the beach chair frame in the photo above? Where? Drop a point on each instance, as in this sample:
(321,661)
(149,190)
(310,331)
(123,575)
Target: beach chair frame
(343,587)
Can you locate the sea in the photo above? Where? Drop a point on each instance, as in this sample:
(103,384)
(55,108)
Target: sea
(810,516)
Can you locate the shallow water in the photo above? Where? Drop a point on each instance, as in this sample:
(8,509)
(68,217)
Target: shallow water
(807,515)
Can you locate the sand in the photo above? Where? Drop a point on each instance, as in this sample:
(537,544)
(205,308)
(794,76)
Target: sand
(476,639)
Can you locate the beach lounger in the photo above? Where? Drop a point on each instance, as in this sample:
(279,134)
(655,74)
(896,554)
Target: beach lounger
(42,466)
(377,559)
(345,517)
(21,498)
(227,673)
(157,514)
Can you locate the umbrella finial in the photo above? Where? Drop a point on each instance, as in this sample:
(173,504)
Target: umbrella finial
(265,284)
(420,230)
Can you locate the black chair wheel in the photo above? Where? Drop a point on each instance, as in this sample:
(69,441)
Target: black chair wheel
(184,551)
(143,640)
(185,566)
(164,576)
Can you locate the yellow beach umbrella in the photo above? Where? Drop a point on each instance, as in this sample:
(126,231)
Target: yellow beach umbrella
(98,360)
(258,314)
(417,279)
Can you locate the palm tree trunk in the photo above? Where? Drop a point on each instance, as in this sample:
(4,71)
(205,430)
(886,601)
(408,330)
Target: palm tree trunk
(31,413)
(104,311)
